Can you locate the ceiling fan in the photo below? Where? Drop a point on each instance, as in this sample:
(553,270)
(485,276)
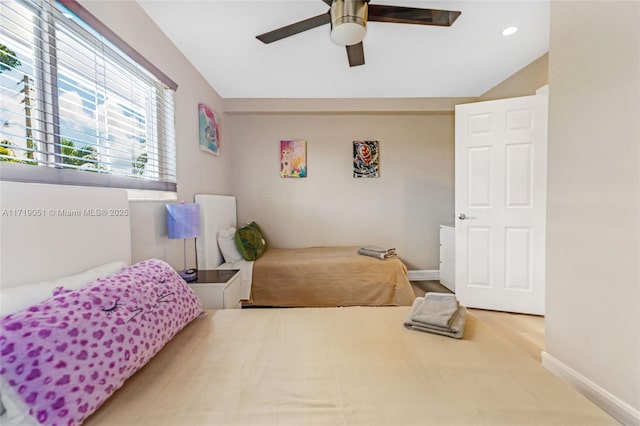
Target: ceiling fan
(348,19)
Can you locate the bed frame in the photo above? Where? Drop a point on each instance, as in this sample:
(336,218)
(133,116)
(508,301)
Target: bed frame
(51,231)
(217,212)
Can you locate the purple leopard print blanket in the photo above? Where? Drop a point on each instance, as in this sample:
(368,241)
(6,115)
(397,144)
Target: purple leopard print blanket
(66,355)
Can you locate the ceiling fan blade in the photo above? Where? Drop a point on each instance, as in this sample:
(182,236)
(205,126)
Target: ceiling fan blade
(355,53)
(412,15)
(296,28)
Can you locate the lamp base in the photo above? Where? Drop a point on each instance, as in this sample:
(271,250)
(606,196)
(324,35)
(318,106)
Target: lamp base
(188,275)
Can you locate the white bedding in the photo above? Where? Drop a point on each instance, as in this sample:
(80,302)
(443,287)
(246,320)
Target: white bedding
(246,270)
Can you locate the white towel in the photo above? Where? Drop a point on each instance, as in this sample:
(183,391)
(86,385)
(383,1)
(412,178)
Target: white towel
(436,309)
(455,330)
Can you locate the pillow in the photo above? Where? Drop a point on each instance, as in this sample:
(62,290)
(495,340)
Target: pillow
(74,282)
(250,242)
(87,342)
(227,244)
(12,299)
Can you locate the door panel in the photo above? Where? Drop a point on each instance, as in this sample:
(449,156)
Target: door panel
(519,120)
(518,258)
(519,179)
(480,124)
(501,149)
(480,185)
(480,256)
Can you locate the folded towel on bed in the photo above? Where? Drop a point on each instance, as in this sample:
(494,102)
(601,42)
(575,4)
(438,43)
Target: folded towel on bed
(455,329)
(437,309)
(379,249)
(378,252)
(377,255)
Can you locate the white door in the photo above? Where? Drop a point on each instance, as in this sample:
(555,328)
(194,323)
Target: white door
(501,169)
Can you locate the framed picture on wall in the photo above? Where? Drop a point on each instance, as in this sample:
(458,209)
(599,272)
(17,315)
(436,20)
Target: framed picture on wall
(293,159)
(366,159)
(209,130)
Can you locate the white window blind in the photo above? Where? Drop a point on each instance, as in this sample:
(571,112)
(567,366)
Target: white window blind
(75,109)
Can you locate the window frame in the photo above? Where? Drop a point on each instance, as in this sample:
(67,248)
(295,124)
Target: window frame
(46,71)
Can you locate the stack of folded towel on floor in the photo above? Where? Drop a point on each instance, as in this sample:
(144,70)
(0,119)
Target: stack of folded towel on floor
(437,313)
(378,252)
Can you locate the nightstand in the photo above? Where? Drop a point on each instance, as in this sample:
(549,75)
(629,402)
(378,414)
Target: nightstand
(218,288)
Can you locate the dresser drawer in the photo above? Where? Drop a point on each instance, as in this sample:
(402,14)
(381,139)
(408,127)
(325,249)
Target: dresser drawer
(448,257)
(447,236)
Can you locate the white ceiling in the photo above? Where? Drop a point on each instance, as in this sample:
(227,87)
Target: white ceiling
(466,59)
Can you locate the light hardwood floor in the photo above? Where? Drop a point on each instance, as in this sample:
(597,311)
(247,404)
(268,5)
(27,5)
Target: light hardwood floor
(527,331)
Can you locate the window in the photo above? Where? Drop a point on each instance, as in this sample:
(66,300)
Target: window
(76,109)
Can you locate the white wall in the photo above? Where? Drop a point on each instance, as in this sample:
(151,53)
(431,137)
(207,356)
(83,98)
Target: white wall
(522,83)
(402,208)
(593,221)
(198,172)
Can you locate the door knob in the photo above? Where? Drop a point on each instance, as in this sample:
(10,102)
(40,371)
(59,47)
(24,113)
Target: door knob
(462,216)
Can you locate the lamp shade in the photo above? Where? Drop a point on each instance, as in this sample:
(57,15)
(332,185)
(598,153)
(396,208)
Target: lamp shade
(183,220)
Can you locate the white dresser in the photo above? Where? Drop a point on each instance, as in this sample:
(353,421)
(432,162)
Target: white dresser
(447,257)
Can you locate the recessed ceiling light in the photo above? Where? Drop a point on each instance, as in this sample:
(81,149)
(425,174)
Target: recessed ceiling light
(509,30)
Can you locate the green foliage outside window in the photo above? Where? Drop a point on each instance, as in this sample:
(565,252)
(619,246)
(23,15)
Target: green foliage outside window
(8,59)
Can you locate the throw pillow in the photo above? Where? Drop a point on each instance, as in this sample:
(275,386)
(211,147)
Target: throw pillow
(227,244)
(250,242)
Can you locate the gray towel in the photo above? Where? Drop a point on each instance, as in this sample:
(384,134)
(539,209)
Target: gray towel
(381,256)
(379,249)
(455,330)
(436,309)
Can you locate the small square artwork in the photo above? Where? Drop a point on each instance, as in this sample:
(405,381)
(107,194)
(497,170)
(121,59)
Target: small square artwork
(293,159)
(209,130)
(366,159)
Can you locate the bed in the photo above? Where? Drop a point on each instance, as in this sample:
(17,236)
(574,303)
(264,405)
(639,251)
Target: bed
(314,366)
(328,276)
(340,366)
(308,277)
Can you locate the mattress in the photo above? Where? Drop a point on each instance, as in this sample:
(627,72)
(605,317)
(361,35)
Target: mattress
(328,276)
(341,366)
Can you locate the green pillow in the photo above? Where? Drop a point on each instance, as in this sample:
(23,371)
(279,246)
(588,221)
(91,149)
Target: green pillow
(250,242)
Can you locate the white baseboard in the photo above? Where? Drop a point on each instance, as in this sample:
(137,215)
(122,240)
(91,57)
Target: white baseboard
(425,275)
(614,406)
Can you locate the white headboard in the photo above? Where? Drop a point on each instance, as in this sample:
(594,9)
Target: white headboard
(217,212)
(51,231)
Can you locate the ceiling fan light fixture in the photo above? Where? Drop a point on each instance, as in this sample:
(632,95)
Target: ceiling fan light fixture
(348,21)
(348,33)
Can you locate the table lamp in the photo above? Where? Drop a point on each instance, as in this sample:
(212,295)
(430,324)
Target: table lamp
(183,221)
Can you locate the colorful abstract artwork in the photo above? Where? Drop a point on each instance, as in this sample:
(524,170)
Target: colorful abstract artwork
(293,159)
(366,159)
(209,130)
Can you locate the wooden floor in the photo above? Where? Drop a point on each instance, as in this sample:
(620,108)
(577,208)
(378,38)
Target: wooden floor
(527,331)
